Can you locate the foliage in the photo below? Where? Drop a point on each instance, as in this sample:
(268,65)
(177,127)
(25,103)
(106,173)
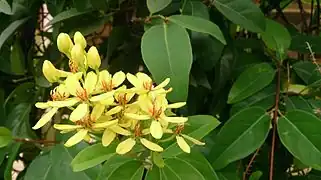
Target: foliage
(166,89)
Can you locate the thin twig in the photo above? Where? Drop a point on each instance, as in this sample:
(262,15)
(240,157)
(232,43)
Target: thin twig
(36,141)
(303,16)
(275,118)
(250,164)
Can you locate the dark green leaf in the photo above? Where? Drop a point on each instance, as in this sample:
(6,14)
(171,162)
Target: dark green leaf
(17,96)
(297,102)
(197,127)
(251,81)
(300,133)
(299,43)
(256,175)
(196,8)
(308,72)
(156,5)
(167,52)
(5,7)
(5,137)
(242,12)
(240,136)
(14,151)
(17,59)
(92,156)
(73,12)
(199,25)
(5,34)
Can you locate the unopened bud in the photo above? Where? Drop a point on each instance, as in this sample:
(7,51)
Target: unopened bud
(64,43)
(80,39)
(51,73)
(78,55)
(93,58)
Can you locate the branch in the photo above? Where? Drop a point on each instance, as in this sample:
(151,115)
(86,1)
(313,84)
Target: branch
(250,164)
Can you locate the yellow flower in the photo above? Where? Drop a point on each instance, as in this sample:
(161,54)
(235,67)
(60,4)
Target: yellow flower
(107,82)
(51,73)
(93,58)
(64,44)
(78,58)
(143,83)
(128,144)
(180,139)
(80,39)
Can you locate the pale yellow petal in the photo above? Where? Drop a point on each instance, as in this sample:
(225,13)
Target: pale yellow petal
(104,76)
(80,112)
(162,84)
(144,77)
(102,97)
(183,144)
(66,127)
(97,111)
(73,85)
(176,119)
(105,124)
(108,101)
(193,140)
(45,118)
(113,110)
(66,103)
(125,146)
(134,80)
(79,136)
(90,82)
(137,116)
(108,137)
(156,130)
(150,145)
(176,105)
(42,105)
(146,131)
(145,103)
(119,130)
(118,78)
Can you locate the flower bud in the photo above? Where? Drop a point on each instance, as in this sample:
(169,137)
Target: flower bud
(93,58)
(64,43)
(78,55)
(51,73)
(79,39)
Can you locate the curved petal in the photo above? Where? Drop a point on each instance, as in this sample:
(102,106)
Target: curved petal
(72,84)
(125,146)
(97,111)
(114,110)
(80,112)
(105,124)
(137,116)
(66,127)
(90,82)
(156,129)
(79,136)
(176,105)
(108,137)
(193,140)
(119,130)
(66,103)
(150,145)
(45,118)
(183,144)
(162,84)
(134,81)
(144,78)
(42,105)
(175,119)
(118,78)
(102,97)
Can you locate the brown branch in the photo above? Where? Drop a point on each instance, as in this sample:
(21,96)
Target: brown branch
(36,141)
(250,164)
(275,118)
(303,16)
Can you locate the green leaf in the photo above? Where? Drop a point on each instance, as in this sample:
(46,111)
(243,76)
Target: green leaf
(188,167)
(121,167)
(158,159)
(297,102)
(92,156)
(17,96)
(242,134)
(300,133)
(13,152)
(167,52)
(307,71)
(256,175)
(299,43)
(252,80)
(196,8)
(5,137)
(17,59)
(242,12)
(199,25)
(157,5)
(5,34)
(73,12)
(56,165)
(5,7)
(276,36)
(197,127)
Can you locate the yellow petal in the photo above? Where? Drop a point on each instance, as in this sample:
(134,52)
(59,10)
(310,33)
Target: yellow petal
(137,116)
(64,43)
(150,145)
(105,124)
(108,137)
(193,140)
(162,84)
(108,101)
(80,39)
(134,80)
(104,76)
(145,103)
(93,58)
(78,55)
(183,144)
(144,77)
(146,131)
(80,112)
(73,85)
(97,111)
(66,127)
(90,82)
(66,103)
(45,118)
(113,110)
(118,78)
(176,105)
(79,136)
(42,105)
(102,97)
(119,130)
(176,119)
(156,129)
(125,146)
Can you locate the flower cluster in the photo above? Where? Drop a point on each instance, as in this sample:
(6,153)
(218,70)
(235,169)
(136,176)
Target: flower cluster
(101,105)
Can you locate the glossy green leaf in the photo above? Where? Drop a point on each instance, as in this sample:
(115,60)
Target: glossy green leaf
(167,52)
(13,153)
(5,34)
(17,59)
(197,127)
(242,12)
(73,12)
(157,5)
(299,43)
(158,159)
(5,137)
(17,96)
(307,71)
(240,136)
(121,167)
(297,102)
(256,175)
(199,25)
(5,7)
(92,156)
(186,166)
(251,81)
(196,8)
(276,36)
(300,133)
